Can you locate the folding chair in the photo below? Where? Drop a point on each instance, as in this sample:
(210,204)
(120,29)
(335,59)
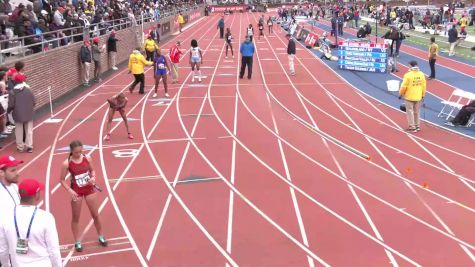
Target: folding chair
(455,101)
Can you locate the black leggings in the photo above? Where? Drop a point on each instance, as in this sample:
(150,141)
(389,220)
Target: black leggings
(139,78)
(228,45)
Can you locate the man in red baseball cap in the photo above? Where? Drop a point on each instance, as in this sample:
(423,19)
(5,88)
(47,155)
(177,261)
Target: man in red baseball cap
(9,196)
(31,237)
(30,188)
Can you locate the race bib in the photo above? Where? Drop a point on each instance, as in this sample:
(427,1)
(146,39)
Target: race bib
(22,246)
(82,179)
(195,53)
(230,37)
(161,66)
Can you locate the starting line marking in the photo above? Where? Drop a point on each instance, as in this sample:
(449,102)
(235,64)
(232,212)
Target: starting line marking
(51,120)
(69,246)
(86,256)
(137,179)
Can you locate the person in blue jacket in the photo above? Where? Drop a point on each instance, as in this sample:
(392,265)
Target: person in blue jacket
(247,52)
(221,27)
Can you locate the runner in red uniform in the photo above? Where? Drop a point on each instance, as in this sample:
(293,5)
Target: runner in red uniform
(82,185)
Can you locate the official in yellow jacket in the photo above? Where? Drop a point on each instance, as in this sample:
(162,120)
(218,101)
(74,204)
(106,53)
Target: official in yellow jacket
(180,21)
(137,63)
(150,46)
(413,90)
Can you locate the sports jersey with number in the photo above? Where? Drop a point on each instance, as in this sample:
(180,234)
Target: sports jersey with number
(195,52)
(160,65)
(80,175)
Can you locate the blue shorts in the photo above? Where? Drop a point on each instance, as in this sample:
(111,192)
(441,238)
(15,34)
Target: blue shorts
(161,72)
(195,59)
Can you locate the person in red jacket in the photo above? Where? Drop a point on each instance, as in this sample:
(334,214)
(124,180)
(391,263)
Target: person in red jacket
(174,55)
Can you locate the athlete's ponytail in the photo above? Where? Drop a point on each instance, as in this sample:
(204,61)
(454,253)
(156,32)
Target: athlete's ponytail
(73,145)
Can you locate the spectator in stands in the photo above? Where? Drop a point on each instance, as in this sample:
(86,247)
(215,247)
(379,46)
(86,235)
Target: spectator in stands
(413,90)
(86,60)
(150,47)
(453,37)
(433,53)
(96,56)
(247,52)
(112,49)
(463,116)
(28,235)
(31,15)
(137,64)
(221,27)
(5,7)
(58,19)
(21,102)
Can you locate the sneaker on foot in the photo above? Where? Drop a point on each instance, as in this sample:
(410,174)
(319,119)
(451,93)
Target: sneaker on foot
(167,95)
(29,150)
(103,241)
(130,136)
(78,246)
(108,137)
(154,95)
(115,68)
(449,123)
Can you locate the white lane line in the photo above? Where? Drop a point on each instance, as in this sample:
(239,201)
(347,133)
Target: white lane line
(172,190)
(229,234)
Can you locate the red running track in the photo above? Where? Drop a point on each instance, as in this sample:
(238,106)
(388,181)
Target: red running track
(232,172)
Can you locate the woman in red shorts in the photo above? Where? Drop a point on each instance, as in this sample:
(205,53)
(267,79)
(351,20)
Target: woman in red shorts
(117,103)
(82,186)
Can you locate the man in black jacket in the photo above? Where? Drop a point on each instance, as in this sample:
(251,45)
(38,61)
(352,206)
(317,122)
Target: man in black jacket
(453,36)
(21,103)
(86,59)
(291,54)
(112,49)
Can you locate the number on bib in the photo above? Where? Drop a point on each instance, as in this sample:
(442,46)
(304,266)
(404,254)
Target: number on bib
(82,179)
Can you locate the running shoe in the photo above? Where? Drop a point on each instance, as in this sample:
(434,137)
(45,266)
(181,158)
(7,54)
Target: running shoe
(193,79)
(167,95)
(108,137)
(449,123)
(29,150)
(130,136)
(103,241)
(115,68)
(154,95)
(78,246)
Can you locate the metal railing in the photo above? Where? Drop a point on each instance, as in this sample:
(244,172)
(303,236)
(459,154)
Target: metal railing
(40,43)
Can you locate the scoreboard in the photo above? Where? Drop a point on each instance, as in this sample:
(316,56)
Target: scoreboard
(362,56)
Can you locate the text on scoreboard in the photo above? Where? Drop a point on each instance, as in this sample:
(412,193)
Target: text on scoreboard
(362,56)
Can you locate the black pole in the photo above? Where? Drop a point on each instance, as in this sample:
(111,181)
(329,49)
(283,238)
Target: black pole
(377,19)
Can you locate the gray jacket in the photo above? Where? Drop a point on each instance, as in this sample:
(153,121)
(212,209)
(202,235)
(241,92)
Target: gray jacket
(21,102)
(96,52)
